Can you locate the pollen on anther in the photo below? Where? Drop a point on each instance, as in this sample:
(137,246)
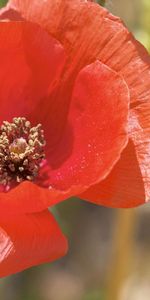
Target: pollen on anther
(21,151)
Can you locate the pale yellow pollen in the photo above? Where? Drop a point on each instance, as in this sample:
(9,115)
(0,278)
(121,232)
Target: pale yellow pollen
(21,151)
(18,146)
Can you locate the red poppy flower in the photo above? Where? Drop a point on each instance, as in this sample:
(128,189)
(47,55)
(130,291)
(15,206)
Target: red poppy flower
(74,68)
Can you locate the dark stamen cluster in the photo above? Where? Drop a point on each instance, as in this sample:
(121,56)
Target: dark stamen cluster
(21,151)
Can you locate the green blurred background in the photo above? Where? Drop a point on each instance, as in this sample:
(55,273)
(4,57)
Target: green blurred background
(109,256)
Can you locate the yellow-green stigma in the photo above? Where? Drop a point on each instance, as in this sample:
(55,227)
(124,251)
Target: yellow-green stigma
(21,151)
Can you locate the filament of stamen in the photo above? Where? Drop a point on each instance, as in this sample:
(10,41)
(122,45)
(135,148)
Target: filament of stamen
(21,151)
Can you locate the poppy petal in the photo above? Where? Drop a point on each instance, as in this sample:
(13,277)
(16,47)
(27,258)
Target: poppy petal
(36,59)
(29,240)
(7,13)
(139,131)
(98,125)
(123,188)
(89,32)
(23,198)
(95,135)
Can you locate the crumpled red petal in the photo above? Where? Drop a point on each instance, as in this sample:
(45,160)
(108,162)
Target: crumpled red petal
(27,72)
(90,32)
(29,240)
(139,131)
(98,125)
(123,188)
(28,197)
(96,133)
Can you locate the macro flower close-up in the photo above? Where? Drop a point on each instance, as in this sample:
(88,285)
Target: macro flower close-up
(74,121)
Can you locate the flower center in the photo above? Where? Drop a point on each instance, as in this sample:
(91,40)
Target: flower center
(21,151)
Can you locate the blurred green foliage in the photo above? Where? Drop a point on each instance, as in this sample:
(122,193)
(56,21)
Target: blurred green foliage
(94,295)
(3,2)
(101,2)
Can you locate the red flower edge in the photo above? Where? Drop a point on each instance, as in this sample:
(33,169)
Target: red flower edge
(28,240)
(75,158)
(113,45)
(105,60)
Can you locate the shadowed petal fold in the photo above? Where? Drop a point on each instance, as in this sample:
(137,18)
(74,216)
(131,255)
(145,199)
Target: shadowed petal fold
(31,65)
(139,131)
(98,124)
